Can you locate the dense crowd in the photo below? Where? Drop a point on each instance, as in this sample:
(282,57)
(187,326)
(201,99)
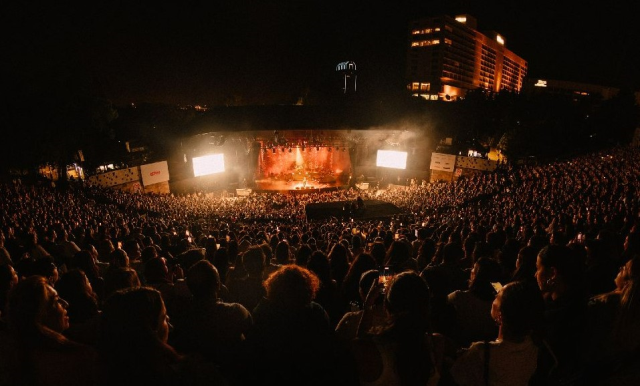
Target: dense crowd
(527,275)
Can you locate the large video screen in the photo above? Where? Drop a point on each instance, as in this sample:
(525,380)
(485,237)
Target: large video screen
(208,164)
(392,159)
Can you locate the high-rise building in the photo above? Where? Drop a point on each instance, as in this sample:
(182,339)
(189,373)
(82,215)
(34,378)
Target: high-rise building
(447,57)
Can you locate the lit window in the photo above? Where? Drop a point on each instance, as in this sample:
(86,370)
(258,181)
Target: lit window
(500,40)
(415,86)
(461,19)
(434,97)
(447,41)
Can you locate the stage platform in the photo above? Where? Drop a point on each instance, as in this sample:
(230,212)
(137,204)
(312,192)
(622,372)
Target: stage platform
(279,186)
(374,209)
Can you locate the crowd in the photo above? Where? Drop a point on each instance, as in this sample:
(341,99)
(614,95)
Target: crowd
(528,275)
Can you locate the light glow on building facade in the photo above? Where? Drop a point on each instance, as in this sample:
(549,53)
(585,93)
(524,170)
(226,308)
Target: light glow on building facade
(452,57)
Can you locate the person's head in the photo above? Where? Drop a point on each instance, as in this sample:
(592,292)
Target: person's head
(379,252)
(203,280)
(156,270)
(518,309)
(8,278)
(292,287)
(76,289)
(452,253)
(120,278)
(302,255)
(408,297)
(366,281)
(133,249)
(556,269)
(628,272)
(118,258)
(253,261)
(398,253)
(484,272)
(134,314)
(34,308)
(45,267)
(148,253)
(318,263)
(526,263)
(282,252)
(85,261)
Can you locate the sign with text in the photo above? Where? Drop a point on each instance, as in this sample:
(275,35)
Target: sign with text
(444,162)
(154,173)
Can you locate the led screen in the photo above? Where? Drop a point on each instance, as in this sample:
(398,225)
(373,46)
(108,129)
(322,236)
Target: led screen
(208,164)
(392,159)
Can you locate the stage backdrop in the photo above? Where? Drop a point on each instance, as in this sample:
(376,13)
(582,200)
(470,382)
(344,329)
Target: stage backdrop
(296,163)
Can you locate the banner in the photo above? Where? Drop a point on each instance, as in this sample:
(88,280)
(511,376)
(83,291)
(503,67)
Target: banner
(154,173)
(444,162)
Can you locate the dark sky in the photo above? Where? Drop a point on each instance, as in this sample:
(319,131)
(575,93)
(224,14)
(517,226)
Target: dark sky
(272,52)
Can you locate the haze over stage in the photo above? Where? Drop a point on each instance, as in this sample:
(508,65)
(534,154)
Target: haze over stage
(374,209)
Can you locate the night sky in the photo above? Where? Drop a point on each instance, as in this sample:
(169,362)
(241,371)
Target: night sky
(272,52)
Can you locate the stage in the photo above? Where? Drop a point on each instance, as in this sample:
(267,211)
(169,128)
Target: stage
(292,186)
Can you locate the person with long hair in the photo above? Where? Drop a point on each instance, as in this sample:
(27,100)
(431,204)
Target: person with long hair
(33,351)
(612,335)
(559,277)
(472,320)
(404,352)
(133,341)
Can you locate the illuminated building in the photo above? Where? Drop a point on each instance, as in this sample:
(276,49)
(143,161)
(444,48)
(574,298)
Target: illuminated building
(448,56)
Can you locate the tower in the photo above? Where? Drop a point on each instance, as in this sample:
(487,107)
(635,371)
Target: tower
(348,76)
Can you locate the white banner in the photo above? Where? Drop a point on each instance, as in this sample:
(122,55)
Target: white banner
(154,173)
(444,162)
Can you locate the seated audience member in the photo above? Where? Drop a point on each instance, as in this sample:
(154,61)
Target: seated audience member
(169,282)
(33,350)
(5,256)
(328,295)
(249,290)
(512,358)
(84,261)
(559,277)
(75,288)
(612,335)
(291,338)
(404,352)
(350,291)
(120,278)
(8,280)
(400,257)
(209,327)
(46,268)
(347,328)
(471,308)
(133,340)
